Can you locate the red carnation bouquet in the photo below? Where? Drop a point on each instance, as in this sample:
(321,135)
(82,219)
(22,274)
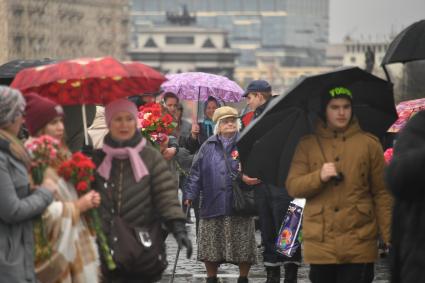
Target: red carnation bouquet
(156,126)
(79,171)
(44,152)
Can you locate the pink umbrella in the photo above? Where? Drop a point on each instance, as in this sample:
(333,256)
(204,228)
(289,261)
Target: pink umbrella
(405,111)
(199,86)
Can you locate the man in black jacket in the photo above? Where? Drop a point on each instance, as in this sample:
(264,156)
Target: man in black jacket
(272,202)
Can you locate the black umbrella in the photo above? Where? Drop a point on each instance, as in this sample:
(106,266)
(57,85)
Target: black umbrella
(266,146)
(9,70)
(280,141)
(408,45)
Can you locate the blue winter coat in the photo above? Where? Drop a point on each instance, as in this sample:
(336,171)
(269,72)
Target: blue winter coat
(211,180)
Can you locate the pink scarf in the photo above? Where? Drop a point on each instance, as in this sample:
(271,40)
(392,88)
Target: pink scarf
(137,164)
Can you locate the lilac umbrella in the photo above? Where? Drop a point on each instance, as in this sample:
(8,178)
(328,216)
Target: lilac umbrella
(198,86)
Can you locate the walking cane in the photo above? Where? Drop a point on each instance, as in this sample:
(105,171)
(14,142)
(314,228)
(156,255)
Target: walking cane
(178,251)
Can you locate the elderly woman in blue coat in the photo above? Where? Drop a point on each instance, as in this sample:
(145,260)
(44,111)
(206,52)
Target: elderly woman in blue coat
(222,237)
(18,204)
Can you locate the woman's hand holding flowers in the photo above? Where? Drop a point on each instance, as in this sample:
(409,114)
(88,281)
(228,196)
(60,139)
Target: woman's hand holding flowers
(88,201)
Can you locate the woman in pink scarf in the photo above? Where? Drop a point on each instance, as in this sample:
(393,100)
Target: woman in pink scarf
(135,184)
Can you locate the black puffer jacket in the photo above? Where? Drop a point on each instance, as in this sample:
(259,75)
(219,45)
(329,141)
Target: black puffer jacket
(406,178)
(154,198)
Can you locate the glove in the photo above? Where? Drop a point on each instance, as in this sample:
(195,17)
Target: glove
(178,228)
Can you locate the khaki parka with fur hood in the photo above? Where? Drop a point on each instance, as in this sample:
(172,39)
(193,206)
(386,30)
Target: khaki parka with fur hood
(341,219)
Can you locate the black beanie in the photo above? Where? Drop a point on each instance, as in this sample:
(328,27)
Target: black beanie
(335,92)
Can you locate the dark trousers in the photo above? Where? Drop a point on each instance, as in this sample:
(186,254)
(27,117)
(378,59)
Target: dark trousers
(342,273)
(272,203)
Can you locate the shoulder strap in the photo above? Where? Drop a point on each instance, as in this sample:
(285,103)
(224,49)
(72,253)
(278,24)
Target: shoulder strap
(227,161)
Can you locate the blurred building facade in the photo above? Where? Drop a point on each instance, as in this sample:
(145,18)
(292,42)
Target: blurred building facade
(63,29)
(282,77)
(184,48)
(365,54)
(269,35)
(335,54)
(252,24)
(356,53)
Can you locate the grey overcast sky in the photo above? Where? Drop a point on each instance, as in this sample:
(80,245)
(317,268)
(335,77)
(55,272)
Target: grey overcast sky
(372,19)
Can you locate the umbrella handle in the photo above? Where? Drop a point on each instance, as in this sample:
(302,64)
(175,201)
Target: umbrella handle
(194,111)
(86,136)
(386,73)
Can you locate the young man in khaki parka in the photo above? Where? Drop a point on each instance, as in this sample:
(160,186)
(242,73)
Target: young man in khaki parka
(339,170)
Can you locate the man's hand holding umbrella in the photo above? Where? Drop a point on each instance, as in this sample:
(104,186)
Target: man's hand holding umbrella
(328,171)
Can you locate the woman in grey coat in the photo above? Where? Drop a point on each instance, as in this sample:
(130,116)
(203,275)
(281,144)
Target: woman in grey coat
(18,205)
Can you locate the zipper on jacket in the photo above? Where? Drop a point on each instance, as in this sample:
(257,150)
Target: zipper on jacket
(120,184)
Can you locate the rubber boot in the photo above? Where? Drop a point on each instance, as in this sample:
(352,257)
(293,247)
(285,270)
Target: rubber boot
(212,279)
(273,274)
(242,279)
(291,273)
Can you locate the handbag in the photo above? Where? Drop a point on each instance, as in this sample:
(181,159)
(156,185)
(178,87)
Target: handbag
(243,200)
(137,251)
(243,196)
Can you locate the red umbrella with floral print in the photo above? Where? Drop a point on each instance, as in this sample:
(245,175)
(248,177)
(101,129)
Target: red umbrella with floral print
(89,81)
(405,111)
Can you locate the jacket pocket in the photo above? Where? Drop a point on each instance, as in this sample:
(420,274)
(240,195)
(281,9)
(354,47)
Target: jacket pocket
(366,226)
(313,224)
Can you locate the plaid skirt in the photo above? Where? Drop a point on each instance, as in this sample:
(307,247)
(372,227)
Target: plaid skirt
(227,239)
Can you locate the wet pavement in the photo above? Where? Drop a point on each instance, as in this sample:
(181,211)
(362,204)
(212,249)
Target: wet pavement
(192,271)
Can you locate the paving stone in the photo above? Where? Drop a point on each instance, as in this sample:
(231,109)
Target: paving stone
(193,271)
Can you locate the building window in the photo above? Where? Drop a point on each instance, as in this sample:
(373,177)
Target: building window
(17,10)
(105,45)
(179,40)
(124,22)
(353,59)
(250,5)
(18,41)
(102,20)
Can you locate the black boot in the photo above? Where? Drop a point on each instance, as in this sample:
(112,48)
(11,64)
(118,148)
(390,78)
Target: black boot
(291,272)
(273,274)
(212,279)
(242,279)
